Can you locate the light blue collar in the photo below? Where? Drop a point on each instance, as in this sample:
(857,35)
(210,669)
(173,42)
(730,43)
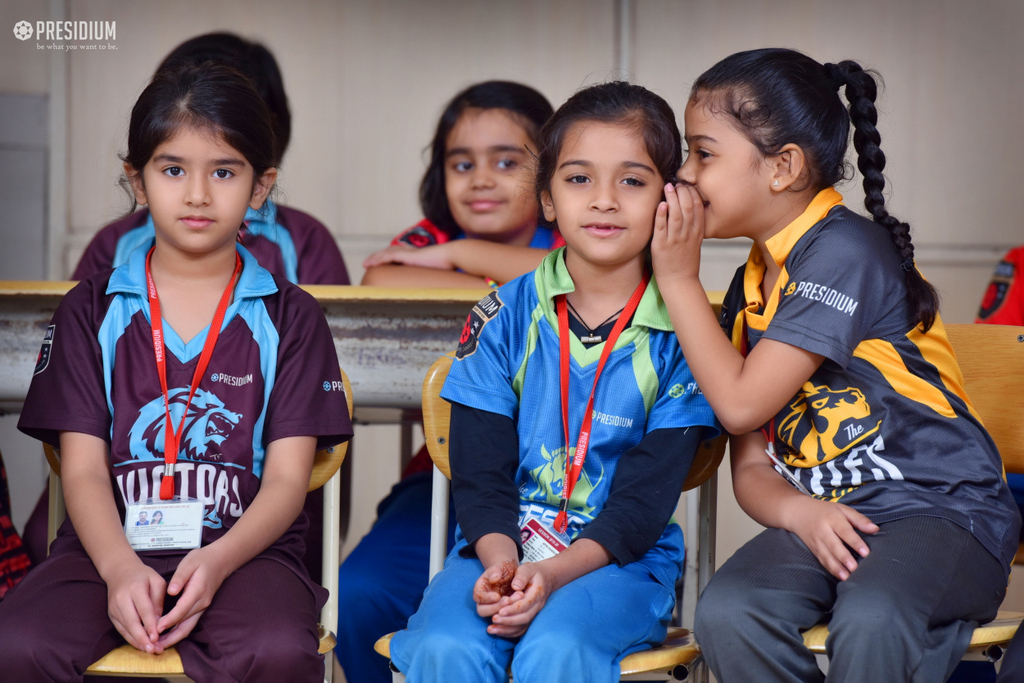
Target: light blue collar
(263,221)
(130,277)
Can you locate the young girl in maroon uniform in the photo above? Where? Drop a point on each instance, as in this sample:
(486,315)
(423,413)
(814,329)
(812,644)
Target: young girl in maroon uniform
(152,403)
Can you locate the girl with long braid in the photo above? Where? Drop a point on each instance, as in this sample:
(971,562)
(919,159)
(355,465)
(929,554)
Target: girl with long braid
(853,440)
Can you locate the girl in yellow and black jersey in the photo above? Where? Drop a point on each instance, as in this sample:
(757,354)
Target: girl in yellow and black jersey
(854,440)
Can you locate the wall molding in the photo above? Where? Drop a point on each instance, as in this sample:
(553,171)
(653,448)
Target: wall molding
(966,255)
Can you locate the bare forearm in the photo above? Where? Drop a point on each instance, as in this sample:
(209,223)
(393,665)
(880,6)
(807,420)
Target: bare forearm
(492,549)
(579,559)
(744,392)
(89,498)
(419,277)
(715,363)
(501,262)
(761,491)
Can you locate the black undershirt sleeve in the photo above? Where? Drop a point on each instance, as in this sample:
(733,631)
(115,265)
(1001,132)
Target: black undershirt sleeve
(484,456)
(648,480)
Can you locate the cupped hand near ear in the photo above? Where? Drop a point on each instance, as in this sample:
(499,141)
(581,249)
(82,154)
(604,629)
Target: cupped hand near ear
(678,233)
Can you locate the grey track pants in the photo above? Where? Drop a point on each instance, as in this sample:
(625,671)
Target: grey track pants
(905,614)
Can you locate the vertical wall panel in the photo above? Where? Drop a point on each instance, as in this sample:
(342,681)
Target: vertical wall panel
(366,82)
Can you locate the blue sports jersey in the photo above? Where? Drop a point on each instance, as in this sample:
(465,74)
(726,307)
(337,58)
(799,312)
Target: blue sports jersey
(508,363)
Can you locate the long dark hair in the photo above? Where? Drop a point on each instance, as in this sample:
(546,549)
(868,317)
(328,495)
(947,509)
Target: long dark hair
(525,104)
(615,102)
(778,96)
(255,61)
(211,97)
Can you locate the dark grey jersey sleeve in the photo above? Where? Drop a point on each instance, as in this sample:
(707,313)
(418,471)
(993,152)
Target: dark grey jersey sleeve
(845,285)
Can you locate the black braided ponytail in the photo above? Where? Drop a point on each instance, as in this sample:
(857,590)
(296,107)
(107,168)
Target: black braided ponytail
(778,97)
(861,91)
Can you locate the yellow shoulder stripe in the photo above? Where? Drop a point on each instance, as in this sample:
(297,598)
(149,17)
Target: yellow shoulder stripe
(887,360)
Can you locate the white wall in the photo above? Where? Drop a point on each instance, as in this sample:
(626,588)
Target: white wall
(367,81)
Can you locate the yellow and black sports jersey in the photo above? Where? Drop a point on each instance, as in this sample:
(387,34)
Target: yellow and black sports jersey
(884,424)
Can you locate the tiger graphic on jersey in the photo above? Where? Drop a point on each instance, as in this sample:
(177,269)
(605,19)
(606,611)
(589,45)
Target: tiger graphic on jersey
(207,425)
(824,423)
(547,480)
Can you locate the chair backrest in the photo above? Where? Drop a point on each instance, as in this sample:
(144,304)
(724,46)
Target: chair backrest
(327,461)
(991,358)
(437,414)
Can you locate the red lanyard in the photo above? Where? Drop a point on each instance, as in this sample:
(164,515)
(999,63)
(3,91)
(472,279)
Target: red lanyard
(574,467)
(173,437)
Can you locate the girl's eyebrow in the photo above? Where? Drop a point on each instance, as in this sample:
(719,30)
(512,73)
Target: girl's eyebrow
(229,161)
(491,150)
(694,138)
(637,164)
(588,164)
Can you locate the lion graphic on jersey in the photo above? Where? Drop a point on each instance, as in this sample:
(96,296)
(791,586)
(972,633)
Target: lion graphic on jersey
(208,424)
(824,423)
(550,478)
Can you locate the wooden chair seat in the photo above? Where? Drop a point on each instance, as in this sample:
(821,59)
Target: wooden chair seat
(997,632)
(167,663)
(679,649)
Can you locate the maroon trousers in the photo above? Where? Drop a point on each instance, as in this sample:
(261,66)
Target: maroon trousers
(261,625)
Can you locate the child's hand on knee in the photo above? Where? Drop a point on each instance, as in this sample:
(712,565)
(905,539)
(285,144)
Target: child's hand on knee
(197,578)
(678,233)
(492,590)
(532,585)
(135,599)
(829,530)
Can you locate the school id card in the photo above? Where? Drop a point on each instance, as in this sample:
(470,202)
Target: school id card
(540,542)
(164,524)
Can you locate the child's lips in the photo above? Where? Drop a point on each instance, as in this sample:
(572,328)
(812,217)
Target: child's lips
(196,221)
(484,205)
(603,229)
